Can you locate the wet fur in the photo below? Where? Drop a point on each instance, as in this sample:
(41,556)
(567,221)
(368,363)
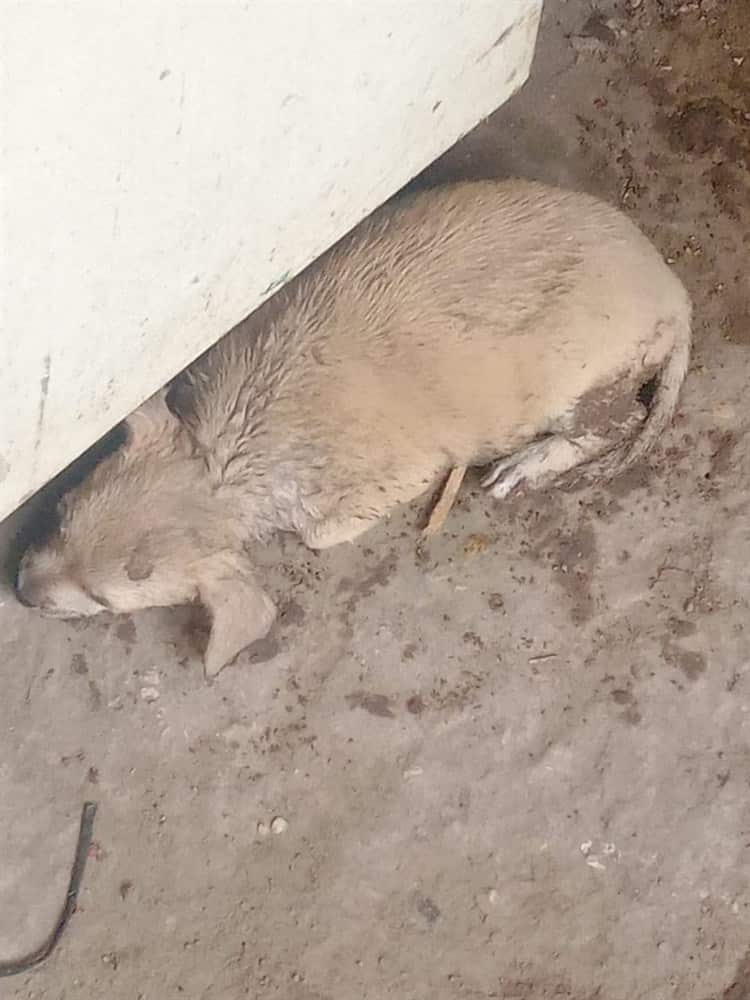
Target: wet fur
(454,327)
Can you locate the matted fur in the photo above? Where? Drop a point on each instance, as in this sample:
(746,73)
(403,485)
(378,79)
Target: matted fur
(457,326)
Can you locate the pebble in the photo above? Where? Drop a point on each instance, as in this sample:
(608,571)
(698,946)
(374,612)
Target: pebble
(487,901)
(279,825)
(263,829)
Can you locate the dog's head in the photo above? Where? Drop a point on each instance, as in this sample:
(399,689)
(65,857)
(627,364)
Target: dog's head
(146,529)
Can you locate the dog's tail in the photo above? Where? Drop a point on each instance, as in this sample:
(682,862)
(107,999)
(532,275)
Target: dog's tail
(661,407)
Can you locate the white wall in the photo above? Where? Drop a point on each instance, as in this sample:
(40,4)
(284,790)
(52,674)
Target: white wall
(166,165)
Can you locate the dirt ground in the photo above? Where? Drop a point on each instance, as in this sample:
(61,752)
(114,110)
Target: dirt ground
(512,762)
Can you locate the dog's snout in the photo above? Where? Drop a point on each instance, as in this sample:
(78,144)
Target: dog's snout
(28,589)
(31,587)
(53,592)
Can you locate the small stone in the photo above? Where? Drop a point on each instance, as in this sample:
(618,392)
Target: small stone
(279,825)
(487,901)
(263,829)
(149,694)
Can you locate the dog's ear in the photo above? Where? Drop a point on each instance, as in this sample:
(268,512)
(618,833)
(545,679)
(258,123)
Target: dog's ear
(152,419)
(240,611)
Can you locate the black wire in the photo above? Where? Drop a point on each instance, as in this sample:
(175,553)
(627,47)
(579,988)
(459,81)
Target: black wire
(85,834)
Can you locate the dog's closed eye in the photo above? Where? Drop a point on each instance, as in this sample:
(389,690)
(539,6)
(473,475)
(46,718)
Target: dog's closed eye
(98,598)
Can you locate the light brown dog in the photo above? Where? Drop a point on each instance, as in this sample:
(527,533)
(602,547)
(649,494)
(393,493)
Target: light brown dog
(476,323)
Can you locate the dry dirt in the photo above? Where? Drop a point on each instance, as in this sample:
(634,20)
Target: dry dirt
(514,761)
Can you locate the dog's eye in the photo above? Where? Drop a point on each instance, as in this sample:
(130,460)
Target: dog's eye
(99,599)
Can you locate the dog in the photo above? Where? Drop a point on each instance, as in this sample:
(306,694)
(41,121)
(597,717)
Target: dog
(482,323)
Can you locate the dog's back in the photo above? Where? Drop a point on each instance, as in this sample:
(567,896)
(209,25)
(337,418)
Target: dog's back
(453,325)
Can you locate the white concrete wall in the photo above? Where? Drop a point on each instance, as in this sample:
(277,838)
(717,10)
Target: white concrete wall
(166,165)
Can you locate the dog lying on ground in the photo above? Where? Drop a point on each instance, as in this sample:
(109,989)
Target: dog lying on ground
(494,323)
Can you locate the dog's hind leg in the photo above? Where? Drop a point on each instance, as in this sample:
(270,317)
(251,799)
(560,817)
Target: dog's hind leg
(538,464)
